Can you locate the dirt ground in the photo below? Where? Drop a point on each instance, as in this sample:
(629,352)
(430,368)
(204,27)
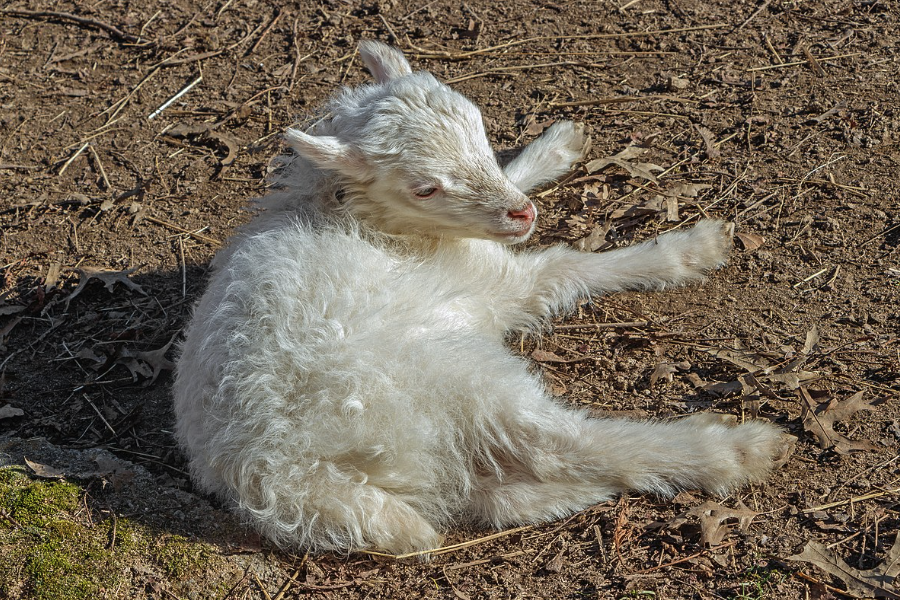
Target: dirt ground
(781,116)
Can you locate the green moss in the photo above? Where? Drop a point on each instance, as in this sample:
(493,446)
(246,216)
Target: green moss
(51,556)
(34,502)
(56,551)
(179,556)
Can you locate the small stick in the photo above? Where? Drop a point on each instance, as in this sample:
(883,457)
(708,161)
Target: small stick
(755,14)
(619,100)
(10,518)
(773,50)
(802,62)
(292,579)
(685,559)
(603,325)
(627,4)
(114,31)
(171,100)
(112,534)
(878,235)
(804,576)
(260,586)
(224,8)
(813,276)
(422,53)
(193,234)
(266,31)
(868,496)
(99,414)
(183,268)
(499,70)
(74,156)
(389,28)
(100,167)
(453,547)
(118,106)
(816,67)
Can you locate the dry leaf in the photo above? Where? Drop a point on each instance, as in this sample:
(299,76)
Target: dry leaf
(545,356)
(749,241)
(88,354)
(819,419)
(723,388)
(148,363)
(663,370)
(812,341)
(595,240)
(206,134)
(556,564)
(746,360)
(686,190)
(712,151)
(44,471)
(879,582)
(635,169)
(9,411)
(52,277)
(716,521)
(109,279)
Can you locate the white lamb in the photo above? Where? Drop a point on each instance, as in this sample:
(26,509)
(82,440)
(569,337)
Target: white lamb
(345,382)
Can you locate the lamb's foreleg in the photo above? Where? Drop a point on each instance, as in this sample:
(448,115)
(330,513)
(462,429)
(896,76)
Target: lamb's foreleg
(549,156)
(560,276)
(574,465)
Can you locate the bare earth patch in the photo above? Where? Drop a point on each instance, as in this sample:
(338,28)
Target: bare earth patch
(781,117)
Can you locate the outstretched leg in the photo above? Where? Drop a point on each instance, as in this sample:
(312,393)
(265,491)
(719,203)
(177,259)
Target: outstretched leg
(549,156)
(558,277)
(571,464)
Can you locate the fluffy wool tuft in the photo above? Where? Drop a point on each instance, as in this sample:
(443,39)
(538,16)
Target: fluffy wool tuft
(345,384)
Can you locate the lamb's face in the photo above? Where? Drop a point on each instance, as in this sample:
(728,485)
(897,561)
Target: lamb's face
(415,158)
(433,171)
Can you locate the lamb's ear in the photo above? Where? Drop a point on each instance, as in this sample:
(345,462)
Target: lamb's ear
(383,61)
(327,152)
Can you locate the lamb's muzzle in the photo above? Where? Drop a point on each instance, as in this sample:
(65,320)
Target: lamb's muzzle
(345,381)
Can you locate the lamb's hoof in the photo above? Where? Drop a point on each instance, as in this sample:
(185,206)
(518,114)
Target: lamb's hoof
(404,531)
(570,139)
(706,246)
(788,444)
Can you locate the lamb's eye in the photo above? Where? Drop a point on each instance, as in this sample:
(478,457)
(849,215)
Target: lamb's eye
(425,193)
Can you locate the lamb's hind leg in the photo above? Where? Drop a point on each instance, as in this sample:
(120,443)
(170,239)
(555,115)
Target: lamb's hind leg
(549,156)
(580,462)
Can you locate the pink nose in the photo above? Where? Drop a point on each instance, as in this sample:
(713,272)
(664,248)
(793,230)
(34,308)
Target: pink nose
(525,215)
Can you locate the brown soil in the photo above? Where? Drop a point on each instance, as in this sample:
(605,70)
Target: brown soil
(786,110)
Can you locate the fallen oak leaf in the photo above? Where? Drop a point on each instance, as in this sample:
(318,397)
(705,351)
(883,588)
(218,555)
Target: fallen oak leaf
(108,277)
(879,582)
(716,521)
(207,134)
(749,241)
(819,419)
(663,370)
(622,159)
(149,363)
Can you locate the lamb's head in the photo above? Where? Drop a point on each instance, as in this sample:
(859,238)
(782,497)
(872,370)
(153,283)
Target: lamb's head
(413,157)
